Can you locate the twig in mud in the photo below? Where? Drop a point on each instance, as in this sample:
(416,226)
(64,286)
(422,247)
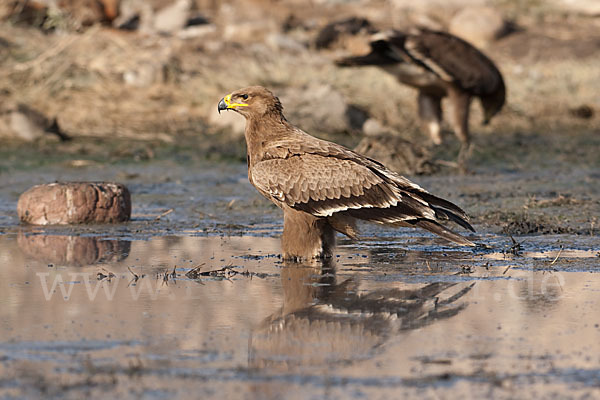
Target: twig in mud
(427,263)
(466,269)
(225,272)
(558,255)
(193,273)
(169,211)
(168,275)
(104,274)
(515,248)
(135,276)
(506,270)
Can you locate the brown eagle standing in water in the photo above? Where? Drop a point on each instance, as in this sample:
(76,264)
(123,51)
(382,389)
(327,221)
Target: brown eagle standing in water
(438,64)
(323,187)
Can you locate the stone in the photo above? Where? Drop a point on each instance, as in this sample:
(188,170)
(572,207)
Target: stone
(372,127)
(398,154)
(27,123)
(72,250)
(321,108)
(172,18)
(479,26)
(75,203)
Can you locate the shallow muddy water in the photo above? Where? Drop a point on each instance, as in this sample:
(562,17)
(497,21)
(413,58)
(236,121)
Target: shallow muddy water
(196,303)
(129,318)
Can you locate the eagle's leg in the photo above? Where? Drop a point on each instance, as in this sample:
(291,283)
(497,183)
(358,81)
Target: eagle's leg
(306,236)
(303,283)
(430,113)
(461,103)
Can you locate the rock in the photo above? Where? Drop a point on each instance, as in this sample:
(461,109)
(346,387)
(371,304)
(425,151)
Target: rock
(398,154)
(583,111)
(321,108)
(478,25)
(279,42)
(75,203)
(73,250)
(29,124)
(172,18)
(373,127)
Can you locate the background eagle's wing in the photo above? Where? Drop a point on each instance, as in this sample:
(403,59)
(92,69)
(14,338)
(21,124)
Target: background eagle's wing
(322,185)
(454,60)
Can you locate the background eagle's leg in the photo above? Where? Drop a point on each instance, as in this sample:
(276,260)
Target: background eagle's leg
(430,114)
(306,236)
(461,103)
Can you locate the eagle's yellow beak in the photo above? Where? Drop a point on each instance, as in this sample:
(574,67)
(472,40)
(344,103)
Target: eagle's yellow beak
(226,104)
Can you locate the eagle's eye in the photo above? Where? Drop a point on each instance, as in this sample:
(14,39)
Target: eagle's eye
(245,96)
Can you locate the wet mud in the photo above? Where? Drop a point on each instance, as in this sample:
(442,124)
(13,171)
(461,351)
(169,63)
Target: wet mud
(191,299)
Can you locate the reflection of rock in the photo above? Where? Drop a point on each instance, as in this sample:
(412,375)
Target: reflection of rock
(323,323)
(73,250)
(75,203)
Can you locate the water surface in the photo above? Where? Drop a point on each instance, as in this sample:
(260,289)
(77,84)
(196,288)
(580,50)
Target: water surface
(110,317)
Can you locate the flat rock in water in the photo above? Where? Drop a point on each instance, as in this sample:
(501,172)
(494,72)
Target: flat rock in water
(75,203)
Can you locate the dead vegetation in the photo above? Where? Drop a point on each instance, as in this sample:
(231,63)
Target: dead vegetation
(225,272)
(103,82)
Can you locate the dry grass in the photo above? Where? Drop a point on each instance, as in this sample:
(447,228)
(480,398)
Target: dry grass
(107,83)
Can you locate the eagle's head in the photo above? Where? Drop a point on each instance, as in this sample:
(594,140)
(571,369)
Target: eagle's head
(253,101)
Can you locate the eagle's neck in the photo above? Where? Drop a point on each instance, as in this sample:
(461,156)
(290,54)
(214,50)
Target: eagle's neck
(261,131)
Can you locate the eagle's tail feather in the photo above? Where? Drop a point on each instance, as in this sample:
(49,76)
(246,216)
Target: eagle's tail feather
(449,215)
(442,231)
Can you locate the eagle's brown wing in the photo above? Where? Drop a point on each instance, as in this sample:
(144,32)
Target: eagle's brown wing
(453,60)
(323,185)
(341,181)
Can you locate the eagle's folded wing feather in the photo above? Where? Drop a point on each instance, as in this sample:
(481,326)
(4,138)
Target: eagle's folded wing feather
(322,185)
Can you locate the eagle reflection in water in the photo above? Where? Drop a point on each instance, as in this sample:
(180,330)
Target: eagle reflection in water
(323,322)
